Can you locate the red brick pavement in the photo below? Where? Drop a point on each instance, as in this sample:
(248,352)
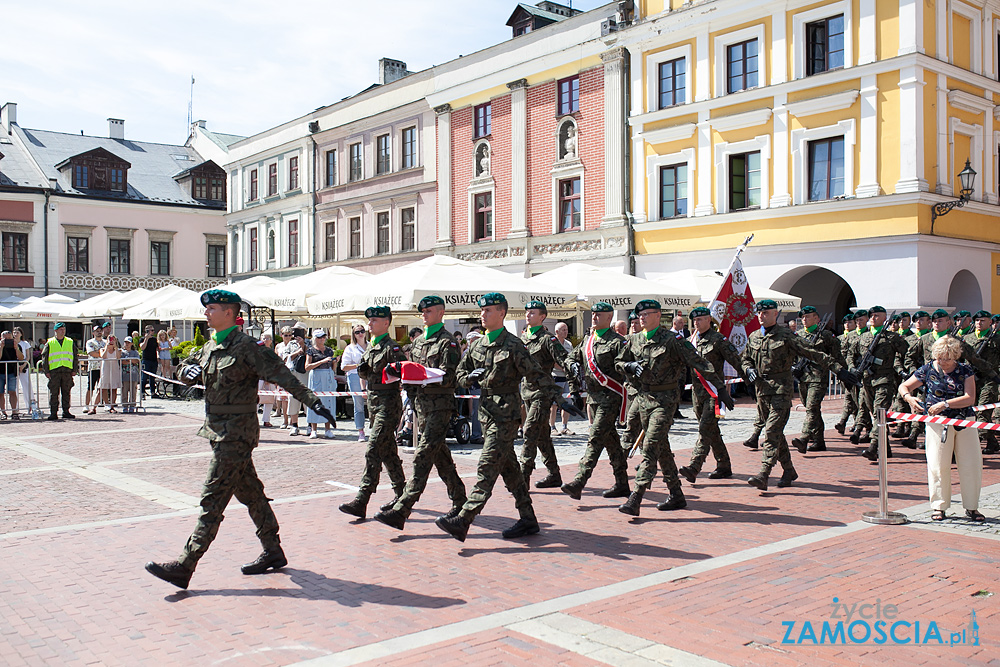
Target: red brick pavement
(81,596)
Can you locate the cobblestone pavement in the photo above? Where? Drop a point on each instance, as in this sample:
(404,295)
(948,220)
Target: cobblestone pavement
(740,577)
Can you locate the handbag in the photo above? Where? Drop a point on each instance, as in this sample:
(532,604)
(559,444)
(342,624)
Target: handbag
(300,364)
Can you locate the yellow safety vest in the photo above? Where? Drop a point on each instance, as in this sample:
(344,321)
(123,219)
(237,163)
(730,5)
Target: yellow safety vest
(60,354)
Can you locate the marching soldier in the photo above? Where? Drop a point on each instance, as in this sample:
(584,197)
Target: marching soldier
(656,358)
(767,362)
(60,364)
(385,408)
(538,396)
(881,380)
(963,322)
(632,424)
(919,354)
(815,382)
(921,324)
(716,350)
(861,316)
(990,352)
(850,408)
(496,362)
(230,365)
(435,407)
(605,395)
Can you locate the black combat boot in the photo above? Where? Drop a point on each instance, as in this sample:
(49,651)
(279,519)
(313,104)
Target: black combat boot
(574,489)
(992,445)
(551,481)
(455,510)
(753,442)
(871,452)
(631,506)
(800,444)
(270,559)
(759,481)
(619,490)
(818,446)
(910,442)
(52,417)
(526,525)
(392,518)
(455,526)
(856,436)
(688,473)
(675,501)
(356,507)
(840,427)
(172,572)
(787,477)
(397,493)
(722,472)
(865,438)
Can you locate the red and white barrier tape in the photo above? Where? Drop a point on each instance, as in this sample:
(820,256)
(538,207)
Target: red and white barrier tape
(988,406)
(945,421)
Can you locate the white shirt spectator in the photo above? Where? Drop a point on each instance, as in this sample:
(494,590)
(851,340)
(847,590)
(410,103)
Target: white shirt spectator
(352,356)
(286,350)
(95,345)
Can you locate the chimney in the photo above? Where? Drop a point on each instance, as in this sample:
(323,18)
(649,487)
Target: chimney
(116,128)
(8,116)
(390,70)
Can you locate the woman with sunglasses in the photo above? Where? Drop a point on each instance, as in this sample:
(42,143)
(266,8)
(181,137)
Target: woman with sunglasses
(349,364)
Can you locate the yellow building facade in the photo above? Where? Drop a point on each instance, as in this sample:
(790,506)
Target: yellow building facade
(828,130)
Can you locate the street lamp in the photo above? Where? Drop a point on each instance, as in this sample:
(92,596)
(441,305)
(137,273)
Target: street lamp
(967,177)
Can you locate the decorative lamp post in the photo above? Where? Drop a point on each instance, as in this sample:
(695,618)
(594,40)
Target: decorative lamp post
(967,177)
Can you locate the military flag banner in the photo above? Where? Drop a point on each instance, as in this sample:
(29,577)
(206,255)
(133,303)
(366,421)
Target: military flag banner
(733,307)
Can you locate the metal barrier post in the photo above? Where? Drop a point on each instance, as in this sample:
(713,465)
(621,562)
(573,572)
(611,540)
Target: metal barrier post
(883,515)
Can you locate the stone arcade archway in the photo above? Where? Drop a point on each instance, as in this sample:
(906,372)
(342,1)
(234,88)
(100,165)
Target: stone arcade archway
(964,293)
(819,287)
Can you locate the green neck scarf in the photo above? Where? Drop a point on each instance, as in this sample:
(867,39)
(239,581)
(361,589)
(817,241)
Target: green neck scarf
(534,330)
(813,328)
(379,339)
(650,334)
(432,329)
(938,334)
(601,332)
(923,332)
(982,334)
(220,336)
(493,335)
(965,331)
(875,329)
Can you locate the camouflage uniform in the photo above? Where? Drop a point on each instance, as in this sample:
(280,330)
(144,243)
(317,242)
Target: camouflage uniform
(987,387)
(898,404)
(814,384)
(606,405)
(664,358)
(850,408)
(771,354)
(538,397)
(231,371)
(385,408)
(716,350)
(862,413)
(882,379)
(435,408)
(506,361)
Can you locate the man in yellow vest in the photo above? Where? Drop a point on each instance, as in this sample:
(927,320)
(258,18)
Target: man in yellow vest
(60,365)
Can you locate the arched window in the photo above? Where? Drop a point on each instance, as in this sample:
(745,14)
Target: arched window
(482,158)
(270,244)
(568,140)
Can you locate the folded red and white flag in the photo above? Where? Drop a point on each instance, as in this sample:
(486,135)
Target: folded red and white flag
(410,372)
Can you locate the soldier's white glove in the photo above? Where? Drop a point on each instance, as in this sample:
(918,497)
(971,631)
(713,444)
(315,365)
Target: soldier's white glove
(475,376)
(191,373)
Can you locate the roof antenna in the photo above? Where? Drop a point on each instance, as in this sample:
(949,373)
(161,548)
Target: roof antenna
(190,106)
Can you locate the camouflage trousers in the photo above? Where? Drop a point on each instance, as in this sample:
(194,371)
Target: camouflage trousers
(874,399)
(812,394)
(709,436)
(604,436)
(385,410)
(231,473)
(656,412)
(432,452)
(774,410)
(633,427)
(538,436)
(987,394)
(498,458)
(850,408)
(60,383)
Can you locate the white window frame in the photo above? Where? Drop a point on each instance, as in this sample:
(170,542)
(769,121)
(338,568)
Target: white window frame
(722,152)
(653,164)
(801,19)
(653,62)
(721,42)
(478,189)
(975,134)
(800,157)
(975,17)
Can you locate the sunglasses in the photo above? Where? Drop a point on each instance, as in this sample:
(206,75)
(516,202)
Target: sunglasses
(359,331)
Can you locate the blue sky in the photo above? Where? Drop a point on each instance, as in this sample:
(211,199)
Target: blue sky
(71,65)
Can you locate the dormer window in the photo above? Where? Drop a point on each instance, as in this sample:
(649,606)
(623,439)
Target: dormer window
(207,182)
(98,169)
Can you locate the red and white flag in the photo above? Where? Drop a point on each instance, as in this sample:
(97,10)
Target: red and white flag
(733,307)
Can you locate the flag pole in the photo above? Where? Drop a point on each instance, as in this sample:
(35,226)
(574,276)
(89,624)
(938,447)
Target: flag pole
(739,251)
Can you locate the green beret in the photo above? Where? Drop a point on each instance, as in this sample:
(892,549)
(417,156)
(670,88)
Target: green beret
(981,313)
(632,316)
(940,312)
(219,296)
(920,313)
(537,305)
(876,309)
(647,304)
(602,307)
(378,311)
(860,312)
(849,317)
(699,311)
(492,299)
(996,318)
(428,301)
(806,310)
(766,304)
(963,313)
(59,325)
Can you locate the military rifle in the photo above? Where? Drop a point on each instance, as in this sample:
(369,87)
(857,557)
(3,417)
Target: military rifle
(869,359)
(981,345)
(803,364)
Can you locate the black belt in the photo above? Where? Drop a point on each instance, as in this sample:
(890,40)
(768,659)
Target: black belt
(659,387)
(499,391)
(436,390)
(245,409)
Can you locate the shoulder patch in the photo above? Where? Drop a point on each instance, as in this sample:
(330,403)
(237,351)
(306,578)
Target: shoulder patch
(688,344)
